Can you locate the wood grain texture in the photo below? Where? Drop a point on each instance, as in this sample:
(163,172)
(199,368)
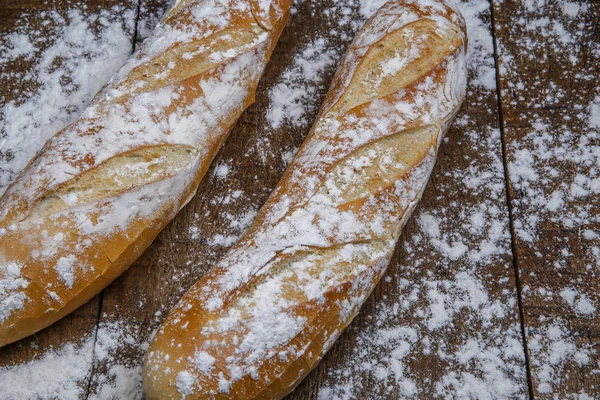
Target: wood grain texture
(549,62)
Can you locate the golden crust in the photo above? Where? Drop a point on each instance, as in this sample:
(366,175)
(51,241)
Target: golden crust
(103,188)
(264,316)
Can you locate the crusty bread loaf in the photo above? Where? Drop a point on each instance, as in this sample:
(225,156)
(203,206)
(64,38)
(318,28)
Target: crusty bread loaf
(102,189)
(265,315)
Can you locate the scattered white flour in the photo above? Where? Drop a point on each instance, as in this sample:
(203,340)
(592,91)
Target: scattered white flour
(369,7)
(203,361)
(292,97)
(17,45)
(449,286)
(222,170)
(594,120)
(185,383)
(429,225)
(11,297)
(38,379)
(122,382)
(222,240)
(57,373)
(553,148)
(579,302)
(65,268)
(235,226)
(551,349)
(149,16)
(115,378)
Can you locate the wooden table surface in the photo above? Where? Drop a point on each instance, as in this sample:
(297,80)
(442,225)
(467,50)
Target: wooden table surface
(494,287)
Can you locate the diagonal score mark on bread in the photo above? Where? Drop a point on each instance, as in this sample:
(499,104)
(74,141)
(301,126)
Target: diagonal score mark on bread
(401,58)
(318,209)
(378,165)
(397,60)
(298,288)
(373,167)
(287,264)
(161,71)
(124,172)
(194,57)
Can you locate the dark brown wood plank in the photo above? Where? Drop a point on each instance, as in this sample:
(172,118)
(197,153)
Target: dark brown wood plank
(549,59)
(473,349)
(30,88)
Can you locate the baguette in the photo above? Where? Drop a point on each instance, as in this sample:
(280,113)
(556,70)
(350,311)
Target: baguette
(265,315)
(103,188)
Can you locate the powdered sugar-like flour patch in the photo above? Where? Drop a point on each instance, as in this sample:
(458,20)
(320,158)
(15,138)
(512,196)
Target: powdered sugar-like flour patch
(39,379)
(595,113)
(291,99)
(185,383)
(369,7)
(11,282)
(578,301)
(550,348)
(115,377)
(16,45)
